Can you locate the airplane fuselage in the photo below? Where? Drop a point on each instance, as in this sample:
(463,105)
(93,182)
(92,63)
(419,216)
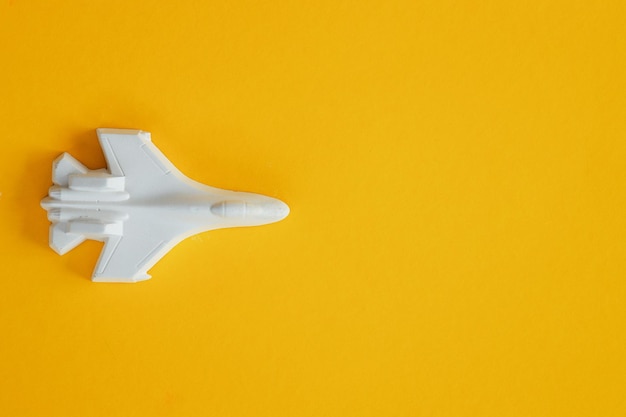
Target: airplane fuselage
(204,210)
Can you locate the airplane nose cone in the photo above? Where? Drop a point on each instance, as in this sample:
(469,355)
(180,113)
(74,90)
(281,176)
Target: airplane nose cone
(278,209)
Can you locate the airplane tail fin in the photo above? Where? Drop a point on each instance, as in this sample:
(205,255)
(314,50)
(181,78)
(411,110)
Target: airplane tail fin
(65,165)
(61,241)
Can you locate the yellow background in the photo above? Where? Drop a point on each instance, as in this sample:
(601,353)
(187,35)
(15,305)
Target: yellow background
(456,172)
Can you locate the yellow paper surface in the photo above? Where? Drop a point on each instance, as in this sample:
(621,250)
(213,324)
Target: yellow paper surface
(456,172)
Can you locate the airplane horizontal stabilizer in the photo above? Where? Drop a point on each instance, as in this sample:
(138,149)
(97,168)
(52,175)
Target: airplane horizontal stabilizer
(65,165)
(61,241)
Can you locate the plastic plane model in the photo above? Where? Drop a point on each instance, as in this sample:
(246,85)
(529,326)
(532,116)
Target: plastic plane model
(141,206)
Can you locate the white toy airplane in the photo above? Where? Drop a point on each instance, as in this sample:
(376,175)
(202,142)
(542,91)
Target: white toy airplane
(141,207)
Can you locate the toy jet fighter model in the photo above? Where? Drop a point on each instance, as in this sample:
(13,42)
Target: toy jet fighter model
(141,206)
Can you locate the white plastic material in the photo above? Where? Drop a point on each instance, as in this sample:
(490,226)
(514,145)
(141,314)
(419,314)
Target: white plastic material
(140,207)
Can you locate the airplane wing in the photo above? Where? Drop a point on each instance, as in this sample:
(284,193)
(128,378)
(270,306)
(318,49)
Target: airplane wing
(131,154)
(127,258)
(146,237)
